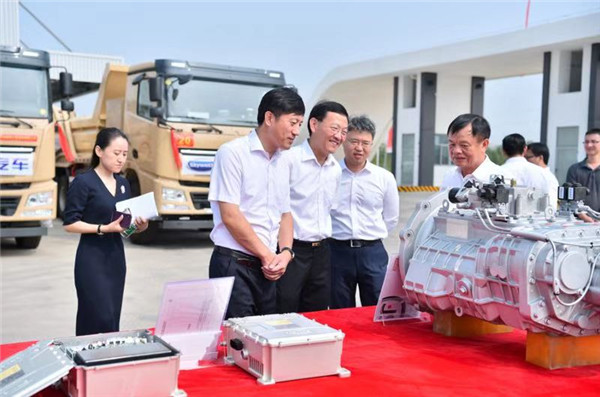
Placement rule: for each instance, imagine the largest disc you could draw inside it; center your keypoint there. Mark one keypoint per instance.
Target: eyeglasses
(529, 157)
(336, 129)
(591, 142)
(356, 142)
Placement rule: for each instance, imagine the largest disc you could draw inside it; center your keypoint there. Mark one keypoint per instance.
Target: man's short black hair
(593, 131)
(282, 100)
(479, 126)
(319, 111)
(513, 145)
(540, 149)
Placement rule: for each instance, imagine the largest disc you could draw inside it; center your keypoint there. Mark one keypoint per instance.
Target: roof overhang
(505, 55)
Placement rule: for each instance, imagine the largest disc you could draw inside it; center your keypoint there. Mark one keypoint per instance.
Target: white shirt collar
(368, 167)
(308, 154)
(481, 172)
(256, 144)
(516, 159)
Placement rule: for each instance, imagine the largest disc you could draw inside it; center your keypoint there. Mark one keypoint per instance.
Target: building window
(567, 142)
(442, 157)
(407, 165)
(410, 91)
(570, 71)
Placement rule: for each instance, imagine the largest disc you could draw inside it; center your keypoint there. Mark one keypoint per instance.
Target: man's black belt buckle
(312, 244)
(356, 243)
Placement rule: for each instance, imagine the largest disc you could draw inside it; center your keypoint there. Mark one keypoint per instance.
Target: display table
(401, 359)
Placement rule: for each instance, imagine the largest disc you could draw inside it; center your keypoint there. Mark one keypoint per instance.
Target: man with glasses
(587, 172)
(365, 211)
(314, 176)
(525, 173)
(538, 153)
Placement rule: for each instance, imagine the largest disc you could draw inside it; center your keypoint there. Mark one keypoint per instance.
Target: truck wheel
(61, 201)
(146, 237)
(28, 243)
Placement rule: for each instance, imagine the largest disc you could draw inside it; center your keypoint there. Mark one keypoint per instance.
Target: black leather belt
(355, 243)
(240, 257)
(308, 244)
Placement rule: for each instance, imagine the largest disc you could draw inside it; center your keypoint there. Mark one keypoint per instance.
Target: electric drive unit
(281, 347)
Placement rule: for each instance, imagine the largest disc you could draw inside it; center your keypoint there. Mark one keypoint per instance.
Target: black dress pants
(305, 285)
(252, 293)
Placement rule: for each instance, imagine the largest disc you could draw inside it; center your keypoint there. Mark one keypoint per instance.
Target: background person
(468, 139)
(525, 173)
(538, 153)
(314, 176)
(250, 199)
(100, 259)
(587, 171)
(365, 211)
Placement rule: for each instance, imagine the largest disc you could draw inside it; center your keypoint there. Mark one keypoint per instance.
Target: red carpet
(399, 359)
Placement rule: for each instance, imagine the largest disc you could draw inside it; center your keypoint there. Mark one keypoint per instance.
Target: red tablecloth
(402, 359)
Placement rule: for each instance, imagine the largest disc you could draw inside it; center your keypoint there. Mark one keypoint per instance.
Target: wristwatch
(289, 250)
(98, 232)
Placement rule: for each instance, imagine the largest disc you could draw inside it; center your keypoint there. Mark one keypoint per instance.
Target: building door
(407, 165)
(567, 141)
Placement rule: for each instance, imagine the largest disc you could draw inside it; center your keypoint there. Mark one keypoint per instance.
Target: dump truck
(176, 115)
(28, 191)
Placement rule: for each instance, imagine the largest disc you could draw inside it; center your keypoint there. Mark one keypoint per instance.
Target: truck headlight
(173, 195)
(37, 213)
(172, 207)
(38, 199)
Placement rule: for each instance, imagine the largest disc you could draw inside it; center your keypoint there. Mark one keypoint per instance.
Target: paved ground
(38, 294)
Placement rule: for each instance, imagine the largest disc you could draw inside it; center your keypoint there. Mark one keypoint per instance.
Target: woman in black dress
(100, 258)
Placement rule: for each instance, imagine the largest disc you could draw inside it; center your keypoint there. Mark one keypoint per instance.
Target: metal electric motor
(500, 253)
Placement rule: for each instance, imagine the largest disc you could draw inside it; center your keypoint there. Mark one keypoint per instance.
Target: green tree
(496, 155)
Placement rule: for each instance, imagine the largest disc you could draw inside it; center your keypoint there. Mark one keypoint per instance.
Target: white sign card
(191, 315)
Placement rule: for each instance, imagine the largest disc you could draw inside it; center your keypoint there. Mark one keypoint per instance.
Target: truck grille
(8, 205)
(14, 186)
(200, 200)
(194, 183)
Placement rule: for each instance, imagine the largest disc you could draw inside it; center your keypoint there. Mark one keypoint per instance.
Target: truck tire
(62, 180)
(146, 237)
(28, 243)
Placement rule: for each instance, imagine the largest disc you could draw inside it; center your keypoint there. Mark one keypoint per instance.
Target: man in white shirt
(525, 173)
(539, 154)
(365, 211)
(314, 176)
(249, 197)
(468, 139)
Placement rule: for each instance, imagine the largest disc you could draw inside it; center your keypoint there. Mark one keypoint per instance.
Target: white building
(420, 93)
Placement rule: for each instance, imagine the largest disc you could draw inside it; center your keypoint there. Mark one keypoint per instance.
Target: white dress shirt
(526, 173)
(486, 169)
(313, 188)
(552, 184)
(244, 175)
(367, 206)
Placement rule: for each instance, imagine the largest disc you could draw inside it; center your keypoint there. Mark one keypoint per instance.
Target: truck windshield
(23, 92)
(213, 102)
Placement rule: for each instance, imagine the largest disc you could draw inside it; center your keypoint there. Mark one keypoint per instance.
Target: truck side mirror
(66, 84)
(155, 86)
(156, 111)
(66, 105)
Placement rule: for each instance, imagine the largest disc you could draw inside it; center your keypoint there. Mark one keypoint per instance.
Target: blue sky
(305, 40)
